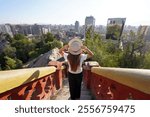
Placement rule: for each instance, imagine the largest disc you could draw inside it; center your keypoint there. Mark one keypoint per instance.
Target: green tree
(114, 30)
(10, 63)
(48, 37)
(48, 42)
(133, 54)
(23, 47)
(55, 44)
(9, 51)
(108, 54)
(104, 50)
(18, 64)
(146, 63)
(19, 37)
(2, 60)
(33, 54)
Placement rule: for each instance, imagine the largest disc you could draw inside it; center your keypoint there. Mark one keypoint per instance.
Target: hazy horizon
(66, 12)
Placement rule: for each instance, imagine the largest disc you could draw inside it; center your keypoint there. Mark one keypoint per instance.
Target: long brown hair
(74, 61)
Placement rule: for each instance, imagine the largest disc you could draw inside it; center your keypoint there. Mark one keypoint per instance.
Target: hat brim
(75, 40)
(75, 52)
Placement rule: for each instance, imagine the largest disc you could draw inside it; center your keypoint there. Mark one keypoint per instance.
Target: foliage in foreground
(108, 53)
(20, 49)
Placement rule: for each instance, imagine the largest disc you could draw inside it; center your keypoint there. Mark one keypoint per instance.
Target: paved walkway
(64, 94)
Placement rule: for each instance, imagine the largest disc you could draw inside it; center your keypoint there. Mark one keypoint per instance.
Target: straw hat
(75, 46)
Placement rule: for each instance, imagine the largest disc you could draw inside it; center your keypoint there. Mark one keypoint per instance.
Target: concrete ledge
(14, 78)
(135, 78)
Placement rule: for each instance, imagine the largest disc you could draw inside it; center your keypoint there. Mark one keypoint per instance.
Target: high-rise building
(90, 21)
(114, 28)
(6, 29)
(89, 25)
(77, 26)
(36, 29)
(144, 32)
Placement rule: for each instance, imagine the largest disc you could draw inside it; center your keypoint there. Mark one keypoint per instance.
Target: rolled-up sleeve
(84, 57)
(65, 56)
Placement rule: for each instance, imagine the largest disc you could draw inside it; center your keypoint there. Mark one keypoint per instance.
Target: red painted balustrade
(31, 84)
(87, 72)
(60, 74)
(117, 83)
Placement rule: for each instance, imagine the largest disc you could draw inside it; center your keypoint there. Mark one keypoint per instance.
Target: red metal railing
(104, 83)
(35, 87)
(117, 83)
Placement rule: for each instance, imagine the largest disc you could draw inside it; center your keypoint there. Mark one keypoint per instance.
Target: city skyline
(67, 12)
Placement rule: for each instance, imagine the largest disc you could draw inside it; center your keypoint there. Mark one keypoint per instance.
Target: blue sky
(68, 11)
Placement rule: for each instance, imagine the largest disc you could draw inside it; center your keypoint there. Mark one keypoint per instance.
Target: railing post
(58, 74)
(87, 74)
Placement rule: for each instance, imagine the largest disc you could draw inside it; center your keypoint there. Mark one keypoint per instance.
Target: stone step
(64, 94)
(85, 93)
(85, 97)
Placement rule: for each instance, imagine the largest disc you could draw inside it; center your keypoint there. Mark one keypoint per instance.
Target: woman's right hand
(66, 47)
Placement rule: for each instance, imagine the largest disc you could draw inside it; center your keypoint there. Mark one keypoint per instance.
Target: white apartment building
(89, 23)
(77, 26)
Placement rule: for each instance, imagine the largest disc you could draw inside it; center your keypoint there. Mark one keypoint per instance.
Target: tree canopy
(21, 49)
(108, 53)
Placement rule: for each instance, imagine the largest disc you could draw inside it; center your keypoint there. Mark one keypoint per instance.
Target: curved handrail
(14, 78)
(135, 78)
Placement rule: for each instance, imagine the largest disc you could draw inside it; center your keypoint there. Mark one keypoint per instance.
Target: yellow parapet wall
(14, 78)
(135, 78)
